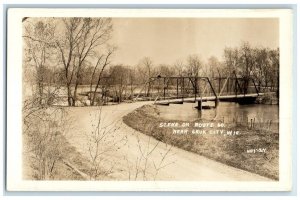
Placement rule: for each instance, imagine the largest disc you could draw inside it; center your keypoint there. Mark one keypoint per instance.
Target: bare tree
(246, 59)
(103, 61)
(165, 70)
(132, 82)
(40, 69)
(150, 159)
(275, 62)
(146, 70)
(194, 65)
(82, 38)
(215, 67)
(261, 65)
(179, 68)
(38, 59)
(44, 125)
(43, 141)
(103, 141)
(119, 75)
(231, 59)
(253, 62)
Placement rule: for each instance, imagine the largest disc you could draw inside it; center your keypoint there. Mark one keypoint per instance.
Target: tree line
(63, 55)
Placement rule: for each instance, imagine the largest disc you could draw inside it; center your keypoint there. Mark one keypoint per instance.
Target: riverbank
(251, 150)
(270, 98)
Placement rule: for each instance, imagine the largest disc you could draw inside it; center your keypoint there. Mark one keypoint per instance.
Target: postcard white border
(14, 103)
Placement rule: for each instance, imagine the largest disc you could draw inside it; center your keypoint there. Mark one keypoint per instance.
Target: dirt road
(139, 157)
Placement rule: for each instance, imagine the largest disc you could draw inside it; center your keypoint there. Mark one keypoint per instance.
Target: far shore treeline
(63, 55)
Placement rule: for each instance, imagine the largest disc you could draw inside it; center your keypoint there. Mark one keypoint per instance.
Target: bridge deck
(208, 98)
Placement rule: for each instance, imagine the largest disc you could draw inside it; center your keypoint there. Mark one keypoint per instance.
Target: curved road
(139, 157)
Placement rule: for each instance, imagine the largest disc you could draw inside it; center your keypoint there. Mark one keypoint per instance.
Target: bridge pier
(199, 105)
(216, 102)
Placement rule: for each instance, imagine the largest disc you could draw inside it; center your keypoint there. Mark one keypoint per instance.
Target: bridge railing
(181, 87)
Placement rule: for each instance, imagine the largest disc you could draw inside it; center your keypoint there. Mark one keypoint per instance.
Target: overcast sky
(168, 40)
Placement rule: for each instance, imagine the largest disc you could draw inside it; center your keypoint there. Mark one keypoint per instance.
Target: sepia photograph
(155, 98)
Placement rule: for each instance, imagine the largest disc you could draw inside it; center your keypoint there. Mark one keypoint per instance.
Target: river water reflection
(226, 111)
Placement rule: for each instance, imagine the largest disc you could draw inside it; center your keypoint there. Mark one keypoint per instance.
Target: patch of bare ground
(231, 150)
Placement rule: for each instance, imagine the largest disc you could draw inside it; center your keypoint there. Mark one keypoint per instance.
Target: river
(227, 112)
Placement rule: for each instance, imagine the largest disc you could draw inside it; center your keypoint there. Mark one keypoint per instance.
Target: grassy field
(234, 150)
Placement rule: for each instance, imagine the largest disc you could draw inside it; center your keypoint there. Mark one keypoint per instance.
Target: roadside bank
(251, 150)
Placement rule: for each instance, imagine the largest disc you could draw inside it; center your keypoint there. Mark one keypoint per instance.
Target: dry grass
(231, 150)
(61, 171)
